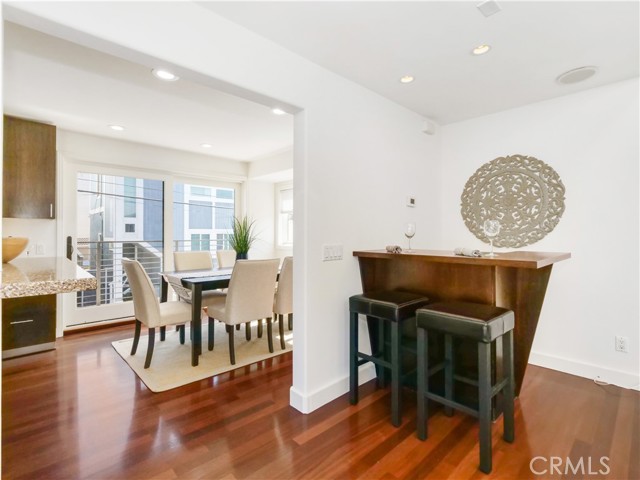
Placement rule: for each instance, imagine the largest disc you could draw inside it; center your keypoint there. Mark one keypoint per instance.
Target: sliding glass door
(110, 214)
(116, 217)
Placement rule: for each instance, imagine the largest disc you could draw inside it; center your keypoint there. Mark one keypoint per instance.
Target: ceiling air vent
(576, 75)
(488, 8)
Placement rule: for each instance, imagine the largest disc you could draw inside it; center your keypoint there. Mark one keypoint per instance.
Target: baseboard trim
(310, 402)
(75, 329)
(622, 379)
(18, 352)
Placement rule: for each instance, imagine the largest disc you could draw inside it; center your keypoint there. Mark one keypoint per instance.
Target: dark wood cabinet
(28, 324)
(29, 176)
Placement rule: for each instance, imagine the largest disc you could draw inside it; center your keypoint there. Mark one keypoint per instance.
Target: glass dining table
(189, 286)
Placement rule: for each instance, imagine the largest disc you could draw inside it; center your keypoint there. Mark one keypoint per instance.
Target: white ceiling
(371, 43)
(375, 43)
(83, 90)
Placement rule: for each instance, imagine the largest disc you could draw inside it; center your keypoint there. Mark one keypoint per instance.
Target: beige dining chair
(283, 300)
(226, 258)
(195, 260)
(198, 260)
(249, 297)
(148, 310)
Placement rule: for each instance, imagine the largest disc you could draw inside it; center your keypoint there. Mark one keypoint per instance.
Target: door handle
(70, 248)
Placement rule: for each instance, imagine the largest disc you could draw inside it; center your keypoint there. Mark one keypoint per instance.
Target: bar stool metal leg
(484, 410)
(448, 372)
(423, 383)
(353, 358)
(509, 389)
(396, 375)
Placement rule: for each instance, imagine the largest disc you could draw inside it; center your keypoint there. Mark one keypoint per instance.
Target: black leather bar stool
(484, 324)
(394, 307)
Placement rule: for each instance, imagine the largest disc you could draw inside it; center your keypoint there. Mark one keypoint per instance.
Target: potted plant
(242, 237)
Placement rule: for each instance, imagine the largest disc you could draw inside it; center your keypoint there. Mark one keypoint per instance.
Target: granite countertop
(26, 277)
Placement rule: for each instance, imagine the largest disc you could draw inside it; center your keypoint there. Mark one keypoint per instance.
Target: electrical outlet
(39, 249)
(622, 344)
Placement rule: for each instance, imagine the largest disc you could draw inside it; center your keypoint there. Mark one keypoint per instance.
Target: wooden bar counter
(514, 280)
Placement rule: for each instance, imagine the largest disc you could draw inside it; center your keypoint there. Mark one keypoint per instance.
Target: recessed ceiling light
(206, 145)
(278, 111)
(406, 79)
(164, 75)
(481, 49)
(117, 128)
(577, 75)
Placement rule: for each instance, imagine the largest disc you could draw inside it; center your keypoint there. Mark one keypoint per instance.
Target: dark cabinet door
(29, 177)
(28, 321)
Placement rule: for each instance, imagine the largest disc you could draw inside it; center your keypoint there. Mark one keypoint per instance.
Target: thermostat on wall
(411, 201)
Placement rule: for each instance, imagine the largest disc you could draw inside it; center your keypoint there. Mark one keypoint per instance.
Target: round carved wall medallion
(523, 193)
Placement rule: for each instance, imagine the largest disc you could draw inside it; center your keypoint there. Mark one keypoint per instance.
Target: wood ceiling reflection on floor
(80, 412)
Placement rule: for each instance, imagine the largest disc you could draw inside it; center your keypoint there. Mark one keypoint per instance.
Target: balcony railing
(103, 259)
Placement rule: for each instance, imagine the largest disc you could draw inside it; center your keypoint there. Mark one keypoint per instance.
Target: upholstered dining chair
(249, 297)
(226, 258)
(283, 299)
(148, 310)
(196, 260)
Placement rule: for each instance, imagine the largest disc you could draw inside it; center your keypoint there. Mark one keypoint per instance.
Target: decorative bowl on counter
(12, 247)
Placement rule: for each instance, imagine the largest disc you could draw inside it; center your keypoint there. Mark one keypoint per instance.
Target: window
(224, 215)
(285, 216)
(129, 197)
(222, 241)
(225, 193)
(117, 217)
(200, 242)
(202, 216)
(201, 191)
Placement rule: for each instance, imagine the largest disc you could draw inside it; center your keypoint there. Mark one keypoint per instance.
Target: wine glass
(491, 229)
(409, 232)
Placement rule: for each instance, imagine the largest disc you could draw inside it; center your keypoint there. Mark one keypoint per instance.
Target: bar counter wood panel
(514, 280)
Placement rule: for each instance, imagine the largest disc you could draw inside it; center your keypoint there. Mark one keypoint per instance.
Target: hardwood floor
(80, 412)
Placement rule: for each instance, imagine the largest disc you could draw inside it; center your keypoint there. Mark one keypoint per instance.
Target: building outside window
(117, 217)
(202, 217)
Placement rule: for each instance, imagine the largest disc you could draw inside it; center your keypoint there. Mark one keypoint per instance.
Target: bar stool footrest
(377, 359)
(451, 403)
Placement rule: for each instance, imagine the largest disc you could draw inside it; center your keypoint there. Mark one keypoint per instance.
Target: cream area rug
(171, 362)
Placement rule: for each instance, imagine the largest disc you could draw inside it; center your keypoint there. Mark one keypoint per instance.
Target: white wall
(591, 140)
(260, 209)
(38, 231)
(274, 168)
(356, 158)
(101, 150)
(118, 153)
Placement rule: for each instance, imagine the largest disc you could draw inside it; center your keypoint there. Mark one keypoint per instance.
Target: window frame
(282, 187)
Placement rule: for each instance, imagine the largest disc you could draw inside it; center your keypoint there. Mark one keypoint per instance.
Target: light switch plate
(411, 201)
(331, 252)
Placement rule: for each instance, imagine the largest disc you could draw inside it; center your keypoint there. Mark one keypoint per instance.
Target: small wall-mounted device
(331, 252)
(411, 201)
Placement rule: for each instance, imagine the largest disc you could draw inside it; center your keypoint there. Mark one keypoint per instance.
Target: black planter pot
(242, 256)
